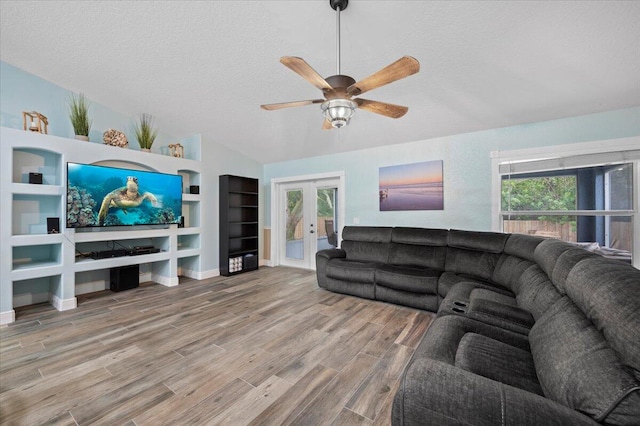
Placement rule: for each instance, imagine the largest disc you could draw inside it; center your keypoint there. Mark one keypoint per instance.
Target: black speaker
(181, 224)
(194, 189)
(35, 178)
(125, 278)
(53, 225)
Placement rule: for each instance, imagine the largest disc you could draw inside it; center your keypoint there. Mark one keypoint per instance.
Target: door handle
(312, 232)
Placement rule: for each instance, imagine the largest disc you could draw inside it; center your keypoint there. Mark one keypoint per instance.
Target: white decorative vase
(82, 138)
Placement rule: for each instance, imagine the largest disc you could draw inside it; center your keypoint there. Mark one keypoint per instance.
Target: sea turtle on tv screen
(126, 197)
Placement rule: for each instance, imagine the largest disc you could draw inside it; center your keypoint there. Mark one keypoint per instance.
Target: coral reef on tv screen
(111, 196)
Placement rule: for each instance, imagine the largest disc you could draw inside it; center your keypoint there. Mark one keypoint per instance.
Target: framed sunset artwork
(416, 186)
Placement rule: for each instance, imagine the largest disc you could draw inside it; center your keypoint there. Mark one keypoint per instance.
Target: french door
(308, 220)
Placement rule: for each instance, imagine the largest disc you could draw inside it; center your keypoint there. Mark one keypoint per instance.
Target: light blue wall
(22, 91)
(467, 167)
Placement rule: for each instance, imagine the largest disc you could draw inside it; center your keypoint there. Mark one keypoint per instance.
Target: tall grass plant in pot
(145, 133)
(79, 116)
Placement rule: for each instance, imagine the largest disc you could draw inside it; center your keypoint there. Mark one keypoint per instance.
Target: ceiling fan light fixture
(339, 111)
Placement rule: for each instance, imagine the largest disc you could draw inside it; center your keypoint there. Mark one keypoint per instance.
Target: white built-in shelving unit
(31, 259)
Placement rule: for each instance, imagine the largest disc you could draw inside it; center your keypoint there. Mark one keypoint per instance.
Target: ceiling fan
(339, 104)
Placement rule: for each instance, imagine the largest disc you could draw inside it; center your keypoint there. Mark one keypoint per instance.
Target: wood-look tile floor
(263, 348)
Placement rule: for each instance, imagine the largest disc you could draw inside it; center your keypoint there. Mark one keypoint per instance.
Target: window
(574, 195)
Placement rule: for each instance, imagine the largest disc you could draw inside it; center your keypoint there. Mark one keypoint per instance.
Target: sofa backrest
(418, 247)
(535, 292)
(557, 258)
(474, 253)
(586, 347)
(608, 293)
(366, 243)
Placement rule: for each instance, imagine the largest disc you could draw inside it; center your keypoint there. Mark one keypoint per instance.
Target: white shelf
(190, 198)
(115, 262)
(27, 254)
(193, 230)
(37, 189)
(188, 252)
(35, 240)
(35, 270)
(100, 234)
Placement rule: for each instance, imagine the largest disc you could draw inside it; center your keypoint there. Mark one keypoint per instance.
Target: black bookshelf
(238, 224)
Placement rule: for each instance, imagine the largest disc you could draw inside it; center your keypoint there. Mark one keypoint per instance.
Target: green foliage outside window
(544, 193)
(325, 203)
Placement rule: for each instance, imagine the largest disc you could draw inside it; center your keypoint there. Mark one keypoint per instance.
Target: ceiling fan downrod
(338, 6)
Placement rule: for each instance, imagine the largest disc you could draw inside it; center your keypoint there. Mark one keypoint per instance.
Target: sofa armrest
(330, 253)
(436, 393)
(322, 258)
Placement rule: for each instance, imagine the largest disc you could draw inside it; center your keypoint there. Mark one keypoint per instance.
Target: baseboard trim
(201, 275)
(165, 281)
(7, 317)
(63, 304)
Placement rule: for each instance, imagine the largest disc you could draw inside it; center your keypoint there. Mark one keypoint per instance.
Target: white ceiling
(206, 66)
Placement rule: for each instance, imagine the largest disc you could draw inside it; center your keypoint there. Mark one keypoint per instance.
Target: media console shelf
(37, 267)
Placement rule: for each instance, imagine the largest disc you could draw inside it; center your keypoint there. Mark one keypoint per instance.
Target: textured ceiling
(206, 66)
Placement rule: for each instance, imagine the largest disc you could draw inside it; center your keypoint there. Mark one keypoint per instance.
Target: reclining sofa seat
(529, 330)
(396, 265)
(579, 364)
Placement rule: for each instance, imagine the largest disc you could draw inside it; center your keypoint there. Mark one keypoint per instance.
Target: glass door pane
(294, 224)
(326, 218)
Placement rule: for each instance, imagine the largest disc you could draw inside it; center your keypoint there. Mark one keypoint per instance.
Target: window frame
(570, 153)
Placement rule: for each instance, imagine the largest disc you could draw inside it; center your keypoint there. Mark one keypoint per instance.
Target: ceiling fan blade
(271, 107)
(326, 125)
(403, 67)
(382, 108)
(300, 67)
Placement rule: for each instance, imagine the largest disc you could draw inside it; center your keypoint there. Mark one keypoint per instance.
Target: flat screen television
(99, 196)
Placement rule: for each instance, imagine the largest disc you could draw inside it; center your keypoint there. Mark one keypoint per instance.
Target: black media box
(194, 189)
(125, 278)
(35, 178)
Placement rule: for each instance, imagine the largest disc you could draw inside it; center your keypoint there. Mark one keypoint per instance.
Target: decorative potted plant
(79, 116)
(145, 133)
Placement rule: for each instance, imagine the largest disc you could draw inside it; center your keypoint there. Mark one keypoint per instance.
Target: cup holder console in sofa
(529, 331)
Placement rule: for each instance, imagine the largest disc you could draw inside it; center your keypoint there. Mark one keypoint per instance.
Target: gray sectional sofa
(529, 331)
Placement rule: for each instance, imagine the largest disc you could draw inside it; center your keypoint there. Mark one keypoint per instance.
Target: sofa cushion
(565, 264)
(420, 236)
(443, 337)
(548, 252)
(486, 294)
(416, 255)
(448, 280)
(508, 269)
(364, 290)
(509, 317)
(608, 293)
(366, 243)
(349, 270)
(416, 280)
(426, 301)
(371, 234)
(489, 242)
(577, 367)
(497, 361)
(471, 262)
(523, 246)
(535, 292)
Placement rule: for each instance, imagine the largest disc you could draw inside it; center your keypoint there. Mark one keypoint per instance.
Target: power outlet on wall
(356, 221)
